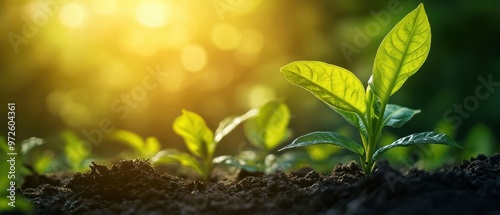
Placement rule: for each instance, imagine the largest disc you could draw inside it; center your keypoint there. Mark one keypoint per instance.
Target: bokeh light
(72, 15)
(71, 64)
(194, 58)
(152, 14)
(104, 7)
(225, 36)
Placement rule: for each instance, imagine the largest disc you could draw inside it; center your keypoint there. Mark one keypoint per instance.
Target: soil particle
(135, 187)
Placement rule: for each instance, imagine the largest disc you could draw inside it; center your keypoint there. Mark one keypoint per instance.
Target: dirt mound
(134, 187)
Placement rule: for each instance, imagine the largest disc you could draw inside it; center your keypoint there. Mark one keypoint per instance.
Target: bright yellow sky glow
(72, 15)
(152, 14)
(251, 43)
(139, 42)
(104, 7)
(259, 94)
(225, 36)
(194, 58)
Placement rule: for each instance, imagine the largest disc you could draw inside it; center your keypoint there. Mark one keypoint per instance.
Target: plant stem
(207, 167)
(367, 140)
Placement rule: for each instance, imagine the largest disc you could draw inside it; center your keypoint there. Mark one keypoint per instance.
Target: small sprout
(41, 162)
(400, 55)
(200, 140)
(141, 148)
(265, 131)
(77, 152)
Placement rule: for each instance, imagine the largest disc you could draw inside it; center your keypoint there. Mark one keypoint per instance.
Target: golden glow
(216, 106)
(252, 42)
(104, 7)
(103, 46)
(194, 58)
(245, 7)
(140, 43)
(259, 94)
(55, 100)
(176, 37)
(72, 15)
(225, 36)
(117, 75)
(152, 14)
(75, 115)
(217, 78)
(175, 79)
(70, 106)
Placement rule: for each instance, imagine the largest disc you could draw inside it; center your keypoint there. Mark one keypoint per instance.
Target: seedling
(400, 55)
(200, 140)
(77, 152)
(141, 148)
(39, 163)
(265, 132)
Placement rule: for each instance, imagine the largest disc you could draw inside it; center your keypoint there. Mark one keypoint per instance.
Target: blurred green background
(93, 66)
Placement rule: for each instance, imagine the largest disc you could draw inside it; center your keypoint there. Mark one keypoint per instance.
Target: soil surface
(134, 187)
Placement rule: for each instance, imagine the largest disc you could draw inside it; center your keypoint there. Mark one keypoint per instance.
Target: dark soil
(134, 187)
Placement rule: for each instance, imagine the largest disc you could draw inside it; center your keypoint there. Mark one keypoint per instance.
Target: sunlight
(104, 7)
(152, 14)
(225, 36)
(259, 94)
(72, 15)
(194, 58)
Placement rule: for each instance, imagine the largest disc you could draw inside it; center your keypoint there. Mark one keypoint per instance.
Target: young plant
(77, 152)
(141, 148)
(400, 55)
(200, 140)
(36, 163)
(265, 131)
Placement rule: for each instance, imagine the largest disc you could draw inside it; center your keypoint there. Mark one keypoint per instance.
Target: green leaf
(269, 128)
(30, 143)
(76, 150)
(334, 85)
(352, 119)
(429, 137)
(396, 116)
(401, 53)
(479, 140)
(43, 161)
(196, 134)
(151, 147)
(170, 156)
(3, 144)
(235, 162)
(326, 137)
(230, 123)
(131, 139)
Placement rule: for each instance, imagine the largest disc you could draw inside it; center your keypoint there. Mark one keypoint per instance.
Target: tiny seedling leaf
(396, 116)
(269, 127)
(401, 53)
(334, 85)
(196, 134)
(130, 138)
(170, 156)
(429, 137)
(326, 137)
(151, 147)
(30, 143)
(76, 149)
(230, 123)
(235, 162)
